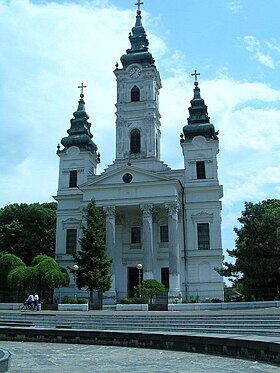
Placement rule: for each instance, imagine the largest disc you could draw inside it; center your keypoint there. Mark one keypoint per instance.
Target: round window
(127, 178)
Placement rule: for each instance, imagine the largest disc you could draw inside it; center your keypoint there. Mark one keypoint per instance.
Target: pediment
(125, 175)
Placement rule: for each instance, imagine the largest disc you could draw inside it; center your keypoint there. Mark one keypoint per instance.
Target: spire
(138, 53)
(198, 121)
(79, 133)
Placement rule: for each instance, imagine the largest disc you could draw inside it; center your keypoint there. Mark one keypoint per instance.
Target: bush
(216, 300)
(193, 299)
(69, 300)
(135, 300)
(149, 288)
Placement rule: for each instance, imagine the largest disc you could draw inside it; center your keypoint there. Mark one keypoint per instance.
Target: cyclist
(30, 301)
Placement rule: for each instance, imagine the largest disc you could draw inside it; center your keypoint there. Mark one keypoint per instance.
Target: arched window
(135, 143)
(135, 94)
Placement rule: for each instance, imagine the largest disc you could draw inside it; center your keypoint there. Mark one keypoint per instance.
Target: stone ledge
(221, 306)
(253, 347)
(73, 307)
(13, 306)
(132, 307)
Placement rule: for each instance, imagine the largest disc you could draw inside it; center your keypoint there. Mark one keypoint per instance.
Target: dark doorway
(165, 277)
(133, 280)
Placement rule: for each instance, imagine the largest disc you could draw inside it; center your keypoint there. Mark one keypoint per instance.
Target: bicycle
(26, 306)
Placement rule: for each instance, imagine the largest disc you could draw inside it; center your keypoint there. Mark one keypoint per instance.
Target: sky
(49, 47)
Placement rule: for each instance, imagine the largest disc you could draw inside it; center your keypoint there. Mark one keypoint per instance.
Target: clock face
(134, 72)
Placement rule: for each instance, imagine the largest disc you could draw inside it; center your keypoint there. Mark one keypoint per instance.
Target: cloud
(254, 46)
(273, 45)
(65, 44)
(48, 49)
(234, 6)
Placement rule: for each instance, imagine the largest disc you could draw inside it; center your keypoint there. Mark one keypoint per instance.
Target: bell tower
(200, 143)
(137, 116)
(79, 157)
(202, 199)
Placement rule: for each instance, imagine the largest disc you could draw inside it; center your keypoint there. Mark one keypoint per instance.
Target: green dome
(138, 53)
(198, 121)
(79, 132)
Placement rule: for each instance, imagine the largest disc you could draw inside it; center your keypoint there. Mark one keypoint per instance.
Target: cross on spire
(82, 86)
(195, 74)
(139, 3)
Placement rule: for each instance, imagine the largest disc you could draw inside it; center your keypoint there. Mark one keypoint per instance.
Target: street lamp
(75, 267)
(139, 267)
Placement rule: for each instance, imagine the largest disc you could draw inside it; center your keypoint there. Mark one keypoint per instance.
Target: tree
(44, 274)
(8, 262)
(28, 230)
(48, 273)
(257, 251)
(94, 265)
(23, 279)
(149, 288)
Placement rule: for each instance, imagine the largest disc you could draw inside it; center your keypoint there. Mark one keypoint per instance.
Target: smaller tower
(199, 142)
(202, 201)
(79, 157)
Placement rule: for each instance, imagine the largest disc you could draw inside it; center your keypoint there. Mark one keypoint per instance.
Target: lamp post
(75, 267)
(139, 267)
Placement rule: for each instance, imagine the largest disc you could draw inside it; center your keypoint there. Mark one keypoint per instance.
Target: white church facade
(167, 220)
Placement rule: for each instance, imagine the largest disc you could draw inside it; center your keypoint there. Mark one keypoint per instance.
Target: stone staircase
(257, 324)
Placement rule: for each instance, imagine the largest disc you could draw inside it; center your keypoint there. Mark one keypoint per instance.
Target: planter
(73, 307)
(4, 360)
(132, 307)
(221, 306)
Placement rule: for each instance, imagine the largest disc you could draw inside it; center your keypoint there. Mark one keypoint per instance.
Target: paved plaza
(30, 357)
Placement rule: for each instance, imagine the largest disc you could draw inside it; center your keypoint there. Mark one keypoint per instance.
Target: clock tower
(138, 119)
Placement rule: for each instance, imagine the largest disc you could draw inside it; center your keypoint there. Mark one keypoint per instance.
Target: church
(161, 223)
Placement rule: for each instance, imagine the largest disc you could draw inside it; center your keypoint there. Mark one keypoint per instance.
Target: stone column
(148, 250)
(110, 212)
(174, 253)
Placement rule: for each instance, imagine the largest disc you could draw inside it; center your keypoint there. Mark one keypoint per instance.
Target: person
(36, 301)
(30, 300)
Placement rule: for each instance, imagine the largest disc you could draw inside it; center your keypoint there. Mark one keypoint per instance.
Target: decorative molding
(147, 210)
(71, 222)
(202, 216)
(67, 170)
(200, 160)
(110, 212)
(173, 208)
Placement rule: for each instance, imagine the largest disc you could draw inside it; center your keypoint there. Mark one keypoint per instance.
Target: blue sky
(49, 47)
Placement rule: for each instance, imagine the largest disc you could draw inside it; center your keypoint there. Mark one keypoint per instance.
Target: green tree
(8, 262)
(23, 279)
(94, 265)
(149, 288)
(44, 274)
(28, 230)
(257, 251)
(48, 273)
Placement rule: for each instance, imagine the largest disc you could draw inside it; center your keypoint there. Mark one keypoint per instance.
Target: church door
(165, 277)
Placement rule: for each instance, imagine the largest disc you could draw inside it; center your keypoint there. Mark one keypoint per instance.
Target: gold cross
(139, 4)
(82, 86)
